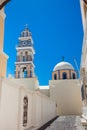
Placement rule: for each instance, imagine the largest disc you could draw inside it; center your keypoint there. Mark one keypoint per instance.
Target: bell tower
(25, 56)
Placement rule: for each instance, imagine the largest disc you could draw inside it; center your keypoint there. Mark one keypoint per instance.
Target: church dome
(63, 66)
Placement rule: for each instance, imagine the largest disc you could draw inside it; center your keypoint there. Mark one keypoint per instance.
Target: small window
(26, 56)
(64, 75)
(25, 34)
(55, 77)
(22, 35)
(73, 76)
(30, 58)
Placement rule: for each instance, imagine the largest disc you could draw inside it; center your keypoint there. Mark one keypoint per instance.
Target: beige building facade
(3, 56)
(83, 66)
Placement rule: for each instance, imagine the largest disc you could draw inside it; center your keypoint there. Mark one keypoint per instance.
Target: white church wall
(37, 113)
(67, 94)
(49, 110)
(40, 108)
(45, 108)
(29, 83)
(44, 90)
(9, 106)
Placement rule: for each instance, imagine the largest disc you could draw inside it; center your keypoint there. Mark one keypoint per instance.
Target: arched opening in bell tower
(26, 56)
(24, 72)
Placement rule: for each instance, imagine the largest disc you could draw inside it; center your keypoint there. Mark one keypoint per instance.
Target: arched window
(24, 72)
(64, 75)
(22, 34)
(26, 56)
(29, 42)
(55, 77)
(26, 34)
(73, 76)
(25, 111)
(21, 56)
(29, 58)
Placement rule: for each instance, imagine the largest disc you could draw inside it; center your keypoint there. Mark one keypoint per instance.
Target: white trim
(25, 62)
(25, 38)
(26, 48)
(2, 14)
(2, 53)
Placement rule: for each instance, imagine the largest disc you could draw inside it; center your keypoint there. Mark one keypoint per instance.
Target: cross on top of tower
(26, 27)
(26, 32)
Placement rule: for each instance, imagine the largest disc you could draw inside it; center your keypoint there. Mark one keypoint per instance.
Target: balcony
(24, 59)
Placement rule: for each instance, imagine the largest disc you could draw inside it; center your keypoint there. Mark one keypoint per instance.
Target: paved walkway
(66, 123)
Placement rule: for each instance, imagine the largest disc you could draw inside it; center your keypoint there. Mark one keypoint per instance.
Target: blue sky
(56, 28)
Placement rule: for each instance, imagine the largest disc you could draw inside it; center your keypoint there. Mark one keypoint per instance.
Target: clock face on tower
(25, 43)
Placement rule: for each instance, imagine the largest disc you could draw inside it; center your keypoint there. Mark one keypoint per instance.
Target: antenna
(76, 66)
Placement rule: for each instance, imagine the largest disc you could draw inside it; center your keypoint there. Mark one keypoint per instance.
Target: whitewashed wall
(67, 94)
(45, 109)
(9, 106)
(40, 108)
